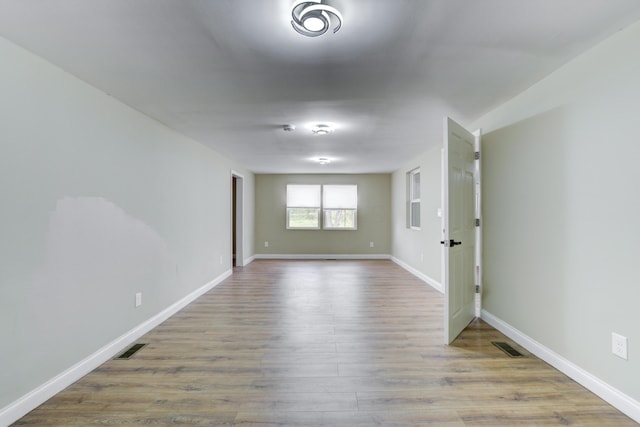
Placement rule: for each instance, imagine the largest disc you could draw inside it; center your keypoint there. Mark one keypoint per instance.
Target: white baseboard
(249, 260)
(420, 275)
(322, 256)
(613, 396)
(16, 410)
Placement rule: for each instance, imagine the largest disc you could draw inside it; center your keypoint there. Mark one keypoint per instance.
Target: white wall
(98, 202)
(419, 250)
(562, 211)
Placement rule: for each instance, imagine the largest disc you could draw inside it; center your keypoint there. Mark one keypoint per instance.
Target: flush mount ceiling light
(321, 129)
(312, 18)
(324, 160)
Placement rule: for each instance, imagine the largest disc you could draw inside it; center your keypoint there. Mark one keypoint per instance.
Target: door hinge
(477, 222)
(477, 289)
(476, 155)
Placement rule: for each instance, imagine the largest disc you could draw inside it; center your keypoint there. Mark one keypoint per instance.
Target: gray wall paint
(98, 203)
(562, 210)
(373, 217)
(420, 249)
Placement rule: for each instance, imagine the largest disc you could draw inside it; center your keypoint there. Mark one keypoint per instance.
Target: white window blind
(303, 196)
(340, 197)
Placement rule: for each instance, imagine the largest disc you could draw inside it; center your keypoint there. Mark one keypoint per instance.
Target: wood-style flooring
(311, 343)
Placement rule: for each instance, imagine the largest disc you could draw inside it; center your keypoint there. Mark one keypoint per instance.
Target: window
(339, 207)
(338, 203)
(303, 206)
(414, 199)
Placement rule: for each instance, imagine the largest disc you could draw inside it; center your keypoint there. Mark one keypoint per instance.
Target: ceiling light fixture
(324, 160)
(321, 129)
(312, 18)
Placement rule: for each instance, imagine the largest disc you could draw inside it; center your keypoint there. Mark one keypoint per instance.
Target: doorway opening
(237, 209)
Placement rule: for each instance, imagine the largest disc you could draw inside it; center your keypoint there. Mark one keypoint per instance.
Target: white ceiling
(231, 73)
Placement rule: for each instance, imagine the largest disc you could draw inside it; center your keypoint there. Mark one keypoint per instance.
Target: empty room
(319, 212)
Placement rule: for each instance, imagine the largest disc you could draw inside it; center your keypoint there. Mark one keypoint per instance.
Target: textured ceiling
(231, 73)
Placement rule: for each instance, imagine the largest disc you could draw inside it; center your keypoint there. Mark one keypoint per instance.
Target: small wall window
(340, 207)
(413, 202)
(303, 207)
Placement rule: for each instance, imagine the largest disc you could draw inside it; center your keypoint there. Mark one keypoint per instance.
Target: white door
(458, 228)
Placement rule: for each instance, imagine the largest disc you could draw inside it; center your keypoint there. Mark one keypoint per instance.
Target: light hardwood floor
(345, 343)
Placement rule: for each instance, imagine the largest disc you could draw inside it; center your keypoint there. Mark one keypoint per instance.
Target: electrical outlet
(138, 299)
(619, 345)
(422, 257)
(371, 244)
(266, 244)
(221, 259)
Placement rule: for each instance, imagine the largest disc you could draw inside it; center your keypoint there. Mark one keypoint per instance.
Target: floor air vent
(511, 352)
(128, 354)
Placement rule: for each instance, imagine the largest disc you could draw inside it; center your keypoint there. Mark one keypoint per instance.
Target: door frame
(238, 214)
(478, 208)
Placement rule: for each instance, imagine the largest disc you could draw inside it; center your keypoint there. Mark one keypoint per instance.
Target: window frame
(326, 210)
(321, 210)
(412, 200)
(289, 208)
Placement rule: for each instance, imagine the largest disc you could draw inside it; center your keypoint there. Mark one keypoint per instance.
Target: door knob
(451, 243)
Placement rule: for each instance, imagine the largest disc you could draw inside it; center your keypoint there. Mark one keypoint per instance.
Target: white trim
(249, 260)
(411, 200)
(239, 218)
(420, 275)
(613, 396)
(238, 174)
(478, 211)
(16, 410)
(322, 256)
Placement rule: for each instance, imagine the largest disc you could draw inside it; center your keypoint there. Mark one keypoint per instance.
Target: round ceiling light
(314, 24)
(324, 160)
(312, 18)
(321, 129)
